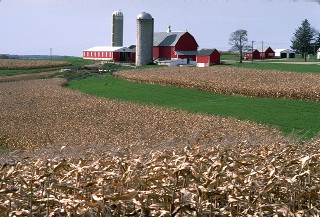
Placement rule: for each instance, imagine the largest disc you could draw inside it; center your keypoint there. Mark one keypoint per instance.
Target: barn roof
(250, 51)
(166, 38)
(264, 49)
(184, 52)
(205, 52)
(283, 51)
(318, 50)
(110, 49)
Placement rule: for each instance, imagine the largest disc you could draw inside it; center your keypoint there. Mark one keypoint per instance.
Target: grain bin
(117, 29)
(144, 49)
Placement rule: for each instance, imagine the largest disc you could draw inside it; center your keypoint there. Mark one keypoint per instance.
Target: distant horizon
(32, 27)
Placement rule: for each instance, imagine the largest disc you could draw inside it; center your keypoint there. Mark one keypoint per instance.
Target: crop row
(30, 64)
(69, 154)
(230, 80)
(38, 113)
(242, 180)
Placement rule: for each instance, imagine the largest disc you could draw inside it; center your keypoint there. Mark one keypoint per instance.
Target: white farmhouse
(318, 54)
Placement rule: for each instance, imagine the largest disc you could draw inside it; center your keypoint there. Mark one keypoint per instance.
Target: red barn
(116, 54)
(207, 57)
(266, 53)
(174, 45)
(255, 54)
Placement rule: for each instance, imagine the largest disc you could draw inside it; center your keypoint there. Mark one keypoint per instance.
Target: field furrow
(30, 64)
(70, 154)
(41, 113)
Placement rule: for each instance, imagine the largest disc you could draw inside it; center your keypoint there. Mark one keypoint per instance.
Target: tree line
(305, 40)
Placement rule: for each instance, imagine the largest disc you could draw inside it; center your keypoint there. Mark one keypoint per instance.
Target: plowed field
(69, 154)
(238, 81)
(40, 113)
(30, 64)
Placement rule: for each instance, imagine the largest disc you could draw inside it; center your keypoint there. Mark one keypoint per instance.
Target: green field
(299, 117)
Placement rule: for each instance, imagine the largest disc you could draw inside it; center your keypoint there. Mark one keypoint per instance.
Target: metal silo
(144, 49)
(117, 29)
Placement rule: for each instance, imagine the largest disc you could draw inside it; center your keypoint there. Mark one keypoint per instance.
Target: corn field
(65, 153)
(30, 64)
(241, 180)
(40, 113)
(230, 80)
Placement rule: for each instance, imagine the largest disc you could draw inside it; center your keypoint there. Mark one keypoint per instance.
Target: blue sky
(70, 26)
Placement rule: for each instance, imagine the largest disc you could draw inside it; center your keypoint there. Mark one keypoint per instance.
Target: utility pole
(252, 52)
(314, 52)
(51, 53)
(263, 51)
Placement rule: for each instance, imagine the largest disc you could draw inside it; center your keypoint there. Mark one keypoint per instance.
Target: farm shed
(318, 54)
(255, 54)
(207, 57)
(174, 45)
(116, 54)
(266, 53)
(284, 53)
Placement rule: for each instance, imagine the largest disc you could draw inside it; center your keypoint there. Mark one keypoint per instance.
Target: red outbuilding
(255, 54)
(116, 54)
(174, 45)
(266, 53)
(207, 57)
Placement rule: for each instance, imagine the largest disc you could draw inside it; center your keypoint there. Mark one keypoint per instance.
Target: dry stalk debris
(242, 180)
(30, 64)
(69, 154)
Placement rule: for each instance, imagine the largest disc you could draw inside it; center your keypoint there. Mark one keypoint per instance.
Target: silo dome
(117, 14)
(144, 16)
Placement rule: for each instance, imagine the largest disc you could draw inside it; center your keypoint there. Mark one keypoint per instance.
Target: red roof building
(252, 55)
(207, 57)
(174, 45)
(116, 54)
(267, 53)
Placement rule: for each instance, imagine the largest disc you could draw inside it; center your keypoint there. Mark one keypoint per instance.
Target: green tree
(303, 38)
(317, 42)
(238, 41)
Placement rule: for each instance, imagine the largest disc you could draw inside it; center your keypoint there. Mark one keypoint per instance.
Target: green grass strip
(290, 116)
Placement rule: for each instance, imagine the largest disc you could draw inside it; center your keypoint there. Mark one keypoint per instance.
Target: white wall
(176, 62)
(201, 64)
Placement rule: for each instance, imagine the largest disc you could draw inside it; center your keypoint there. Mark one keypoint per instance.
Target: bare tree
(238, 40)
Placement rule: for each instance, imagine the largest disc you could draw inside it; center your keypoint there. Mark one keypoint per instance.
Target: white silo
(117, 29)
(144, 49)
